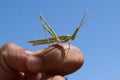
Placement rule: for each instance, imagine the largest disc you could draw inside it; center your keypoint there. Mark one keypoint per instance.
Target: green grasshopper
(55, 38)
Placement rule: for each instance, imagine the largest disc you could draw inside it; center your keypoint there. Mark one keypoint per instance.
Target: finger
(56, 59)
(43, 76)
(51, 77)
(57, 77)
(13, 59)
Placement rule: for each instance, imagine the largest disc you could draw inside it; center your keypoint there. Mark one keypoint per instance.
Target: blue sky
(98, 39)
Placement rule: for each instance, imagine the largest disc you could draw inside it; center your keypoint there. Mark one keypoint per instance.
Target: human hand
(17, 63)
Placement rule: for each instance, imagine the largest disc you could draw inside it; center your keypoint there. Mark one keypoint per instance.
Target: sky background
(98, 39)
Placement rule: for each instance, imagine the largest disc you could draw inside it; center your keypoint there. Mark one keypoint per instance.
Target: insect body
(55, 38)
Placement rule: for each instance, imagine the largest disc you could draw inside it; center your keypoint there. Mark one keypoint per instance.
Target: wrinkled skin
(13, 60)
(17, 63)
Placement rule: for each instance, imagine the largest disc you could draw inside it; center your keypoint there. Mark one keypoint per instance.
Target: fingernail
(28, 52)
(34, 64)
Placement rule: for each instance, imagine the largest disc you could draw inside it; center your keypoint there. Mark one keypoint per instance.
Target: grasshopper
(55, 38)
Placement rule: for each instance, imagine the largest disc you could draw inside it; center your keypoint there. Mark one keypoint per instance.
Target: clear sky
(98, 39)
